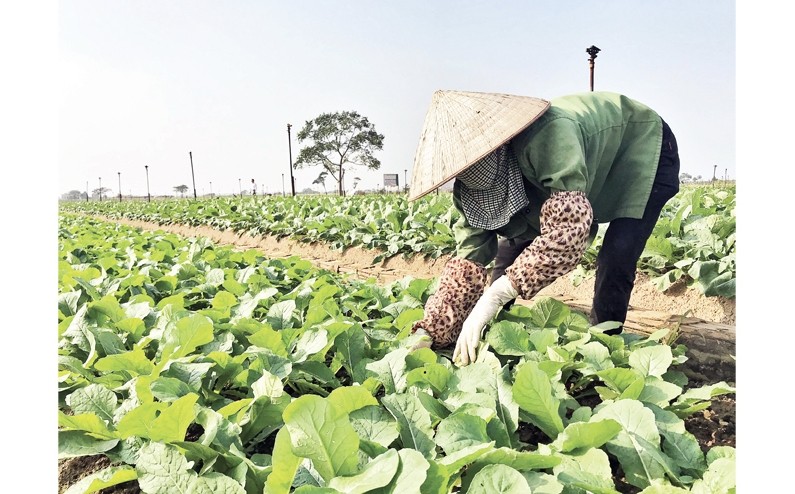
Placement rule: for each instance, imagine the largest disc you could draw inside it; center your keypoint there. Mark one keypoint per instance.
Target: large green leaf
(321, 431)
(414, 423)
(532, 390)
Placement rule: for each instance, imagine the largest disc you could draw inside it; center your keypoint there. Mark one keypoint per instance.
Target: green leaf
(79, 443)
(320, 431)
(459, 431)
(509, 338)
(520, 460)
(637, 446)
(587, 434)
(548, 313)
(414, 423)
(651, 360)
(374, 424)
(170, 425)
(350, 398)
(285, 464)
(162, 469)
(107, 477)
(532, 390)
(435, 375)
(350, 347)
(87, 422)
(410, 475)
(309, 343)
(280, 315)
(493, 479)
(169, 388)
(720, 477)
(589, 470)
(94, 398)
(377, 473)
(216, 483)
(134, 361)
(223, 300)
(391, 370)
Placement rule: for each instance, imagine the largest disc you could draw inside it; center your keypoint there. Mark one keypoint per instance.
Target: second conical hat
(461, 127)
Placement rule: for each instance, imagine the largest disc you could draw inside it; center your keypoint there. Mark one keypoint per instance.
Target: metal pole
(211, 188)
(190, 153)
(290, 149)
(119, 186)
(148, 196)
(592, 51)
(283, 194)
(100, 189)
(405, 180)
(240, 186)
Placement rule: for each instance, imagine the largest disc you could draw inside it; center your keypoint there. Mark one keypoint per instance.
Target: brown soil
(714, 426)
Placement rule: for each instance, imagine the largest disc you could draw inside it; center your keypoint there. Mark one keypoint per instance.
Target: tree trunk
(342, 192)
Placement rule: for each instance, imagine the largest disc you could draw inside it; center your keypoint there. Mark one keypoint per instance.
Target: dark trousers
(623, 243)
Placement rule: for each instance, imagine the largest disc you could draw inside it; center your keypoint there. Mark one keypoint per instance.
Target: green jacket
(604, 144)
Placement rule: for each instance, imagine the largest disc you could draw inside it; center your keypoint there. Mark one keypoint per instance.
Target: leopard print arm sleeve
(566, 219)
(460, 286)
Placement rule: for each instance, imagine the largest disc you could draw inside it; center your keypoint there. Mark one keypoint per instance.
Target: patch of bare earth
(710, 319)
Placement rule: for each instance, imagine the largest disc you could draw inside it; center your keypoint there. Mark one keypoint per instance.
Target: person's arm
(461, 283)
(566, 219)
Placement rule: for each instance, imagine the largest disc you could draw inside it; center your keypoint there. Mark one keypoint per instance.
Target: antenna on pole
(592, 51)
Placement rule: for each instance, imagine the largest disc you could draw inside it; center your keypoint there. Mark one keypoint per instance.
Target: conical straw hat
(462, 127)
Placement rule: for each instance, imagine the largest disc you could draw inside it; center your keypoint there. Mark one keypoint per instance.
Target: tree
(688, 178)
(100, 192)
(339, 139)
(321, 179)
(73, 195)
(181, 189)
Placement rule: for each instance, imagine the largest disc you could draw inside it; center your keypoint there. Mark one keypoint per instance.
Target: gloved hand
(498, 294)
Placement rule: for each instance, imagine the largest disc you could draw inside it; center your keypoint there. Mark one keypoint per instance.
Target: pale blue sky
(144, 83)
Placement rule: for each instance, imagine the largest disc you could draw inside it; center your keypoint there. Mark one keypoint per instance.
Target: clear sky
(145, 83)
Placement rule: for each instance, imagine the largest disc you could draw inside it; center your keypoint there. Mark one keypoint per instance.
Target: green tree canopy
(339, 139)
(181, 189)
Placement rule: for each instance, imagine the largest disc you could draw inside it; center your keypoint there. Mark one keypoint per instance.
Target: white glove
(498, 294)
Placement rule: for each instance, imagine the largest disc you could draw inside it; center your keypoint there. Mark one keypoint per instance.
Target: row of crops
(694, 241)
(198, 368)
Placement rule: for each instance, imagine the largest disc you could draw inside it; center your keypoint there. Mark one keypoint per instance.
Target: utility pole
(86, 190)
(148, 196)
(240, 187)
(405, 180)
(190, 153)
(119, 186)
(211, 188)
(100, 189)
(592, 51)
(283, 194)
(290, 149)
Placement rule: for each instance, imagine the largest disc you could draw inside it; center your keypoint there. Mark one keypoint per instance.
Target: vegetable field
(693, 242)
(187, 366)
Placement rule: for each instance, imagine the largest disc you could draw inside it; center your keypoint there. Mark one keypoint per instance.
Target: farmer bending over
(533, 179)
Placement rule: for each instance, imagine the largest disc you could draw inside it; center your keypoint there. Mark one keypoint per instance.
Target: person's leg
(625, 239)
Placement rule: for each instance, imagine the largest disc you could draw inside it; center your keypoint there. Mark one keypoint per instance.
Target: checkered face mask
(492, 189)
